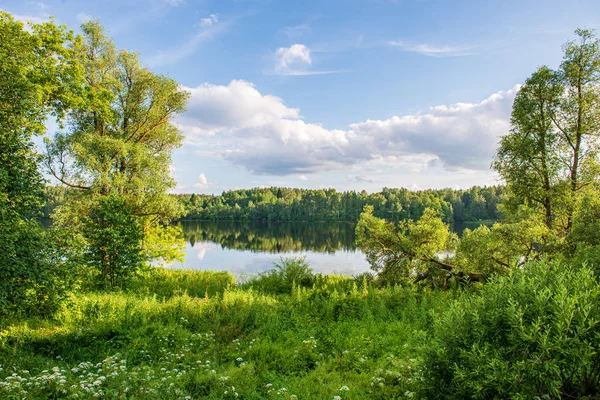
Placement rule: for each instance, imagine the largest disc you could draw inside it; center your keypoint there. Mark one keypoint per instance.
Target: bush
(534, 332)
(34, 278)
(288, 272)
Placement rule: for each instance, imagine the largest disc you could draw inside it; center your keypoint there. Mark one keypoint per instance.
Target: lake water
(247, 248)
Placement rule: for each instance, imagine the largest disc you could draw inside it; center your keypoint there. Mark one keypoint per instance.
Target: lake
(247, 248)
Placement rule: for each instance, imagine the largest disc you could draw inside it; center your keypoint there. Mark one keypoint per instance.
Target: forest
(289, 204)
(90, 309)
(293, 204)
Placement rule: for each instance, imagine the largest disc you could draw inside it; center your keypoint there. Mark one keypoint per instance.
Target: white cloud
(176, 3)
(202, 182)
(296, 60)
(210, 20)
(302, 177)
(215, 108)
(83, 17)
(260, 133)
(433, 50)
(295, 55)
(293, 32)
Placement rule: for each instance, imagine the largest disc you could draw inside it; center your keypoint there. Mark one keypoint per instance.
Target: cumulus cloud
(302, 177)
(202, 182)
(262, 134)
(293, 56)
(433, 50)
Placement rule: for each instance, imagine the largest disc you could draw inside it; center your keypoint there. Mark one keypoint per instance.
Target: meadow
(192, 334)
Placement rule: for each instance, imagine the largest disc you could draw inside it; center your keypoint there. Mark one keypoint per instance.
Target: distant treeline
(287, 204)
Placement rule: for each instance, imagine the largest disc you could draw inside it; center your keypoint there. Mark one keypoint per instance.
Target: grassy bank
(183, 334)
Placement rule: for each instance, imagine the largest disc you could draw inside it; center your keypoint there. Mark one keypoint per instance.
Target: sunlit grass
(185, 334)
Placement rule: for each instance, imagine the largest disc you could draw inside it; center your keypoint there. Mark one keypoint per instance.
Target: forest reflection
(273, 237)
(280, 237)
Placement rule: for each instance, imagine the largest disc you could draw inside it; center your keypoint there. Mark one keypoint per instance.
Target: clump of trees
(115, 155)
(37, 79)
(549, 161)
(113, 150)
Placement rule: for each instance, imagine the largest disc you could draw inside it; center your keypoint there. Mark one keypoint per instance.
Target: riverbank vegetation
(180, 334)
(507, 311)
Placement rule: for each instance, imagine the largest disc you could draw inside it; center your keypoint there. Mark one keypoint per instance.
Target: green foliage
(290, 204)
(529, 157)
(404, 251)
(288, 273)
(501, 247)
(163, 244)
(534, 332)
(585, 235)
(34, 279)
(166, 283)
(550, 156)
(37, 77)
(119, 141)
(318, 343)
(113, 241)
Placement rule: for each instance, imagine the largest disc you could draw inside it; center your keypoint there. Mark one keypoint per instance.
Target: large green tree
(529, 157)
(550, 157)
(39, 75)
(119, 142)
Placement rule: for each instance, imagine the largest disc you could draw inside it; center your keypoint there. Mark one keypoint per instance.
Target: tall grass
(183, 334)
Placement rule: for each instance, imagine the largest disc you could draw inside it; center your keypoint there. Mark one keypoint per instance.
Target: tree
(120, 141)
(529, 157)
(38, 76)
(551, 154)
(409, 251)
(500, 248)
(578, 120)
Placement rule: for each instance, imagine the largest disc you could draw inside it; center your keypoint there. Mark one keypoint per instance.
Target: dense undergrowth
(184, 334)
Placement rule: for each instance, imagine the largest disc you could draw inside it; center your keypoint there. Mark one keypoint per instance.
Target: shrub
(534, 332)
(288, 272)
(34, 279)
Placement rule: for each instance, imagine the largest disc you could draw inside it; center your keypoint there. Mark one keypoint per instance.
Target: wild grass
(184, 334)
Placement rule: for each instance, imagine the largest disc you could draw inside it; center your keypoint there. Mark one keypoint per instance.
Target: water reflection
(246, 248)
(252, 247)
(273, 237)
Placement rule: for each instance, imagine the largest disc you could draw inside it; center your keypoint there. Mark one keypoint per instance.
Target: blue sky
(355, 94)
